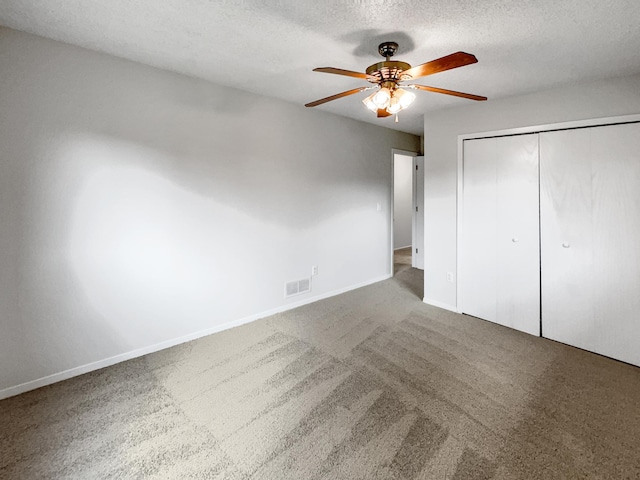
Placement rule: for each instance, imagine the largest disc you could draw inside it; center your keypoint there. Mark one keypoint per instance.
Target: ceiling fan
(391, 95)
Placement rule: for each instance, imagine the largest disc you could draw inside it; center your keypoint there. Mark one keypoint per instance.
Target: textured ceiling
(270, 48)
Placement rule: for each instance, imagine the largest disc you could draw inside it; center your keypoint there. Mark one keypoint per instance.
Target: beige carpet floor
(371, 384)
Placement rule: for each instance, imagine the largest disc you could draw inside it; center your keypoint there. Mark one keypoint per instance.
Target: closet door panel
(566, 236)
(500, 232)
(616, 240)
(590, 213)
(478, 246)
(518, 236)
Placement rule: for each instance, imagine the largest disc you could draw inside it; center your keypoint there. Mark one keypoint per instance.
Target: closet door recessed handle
(565, 245)
(515, 239)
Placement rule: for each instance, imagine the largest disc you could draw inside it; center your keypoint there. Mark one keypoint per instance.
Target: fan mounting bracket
(388, 49)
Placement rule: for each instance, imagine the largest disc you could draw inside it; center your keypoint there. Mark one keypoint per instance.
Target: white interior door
(590, 230)
(417, 255)
(500, 245)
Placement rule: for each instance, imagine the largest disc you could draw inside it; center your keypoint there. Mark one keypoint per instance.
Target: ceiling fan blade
(455, 60)
(382, 112)
(348, 73)
(450, 92)
(336, 96)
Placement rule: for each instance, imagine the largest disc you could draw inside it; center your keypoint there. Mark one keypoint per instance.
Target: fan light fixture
(394, 106)
(369, 103)
(390, 100)
(382, 97)
(404, 98)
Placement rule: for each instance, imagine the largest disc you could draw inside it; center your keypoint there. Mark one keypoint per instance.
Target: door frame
(415, 214)
(591, 122)
(407, 153)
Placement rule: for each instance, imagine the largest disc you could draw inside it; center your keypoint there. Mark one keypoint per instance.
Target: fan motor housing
(389, 70)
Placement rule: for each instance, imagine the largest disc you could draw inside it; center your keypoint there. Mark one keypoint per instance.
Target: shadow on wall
(144, 247)
(271, 164)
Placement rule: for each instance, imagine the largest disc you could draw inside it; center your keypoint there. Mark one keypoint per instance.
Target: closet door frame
(594, 122)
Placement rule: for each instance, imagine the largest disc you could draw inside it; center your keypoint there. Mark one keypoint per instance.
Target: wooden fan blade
(335, 97)
(382, 112)
(455, 60)
(348, 73)
(451, 92)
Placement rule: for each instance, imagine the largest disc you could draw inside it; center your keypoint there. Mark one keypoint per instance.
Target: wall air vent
(297, 287)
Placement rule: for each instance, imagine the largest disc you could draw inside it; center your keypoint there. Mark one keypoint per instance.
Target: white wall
(140, 207)
(612, 97)
(402, 200)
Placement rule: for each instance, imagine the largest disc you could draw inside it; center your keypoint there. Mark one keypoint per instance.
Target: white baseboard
(107, 362)
(402, 248)
(444, 306)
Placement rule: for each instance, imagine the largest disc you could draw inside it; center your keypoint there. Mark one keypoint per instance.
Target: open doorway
(407, 212)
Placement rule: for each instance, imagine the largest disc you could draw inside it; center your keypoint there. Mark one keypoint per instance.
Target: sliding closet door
(590, 230)
(500, 262)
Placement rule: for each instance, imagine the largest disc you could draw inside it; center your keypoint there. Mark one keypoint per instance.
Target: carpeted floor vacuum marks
(372, 384)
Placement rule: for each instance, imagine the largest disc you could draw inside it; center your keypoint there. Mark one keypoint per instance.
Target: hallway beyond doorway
(401, 260)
